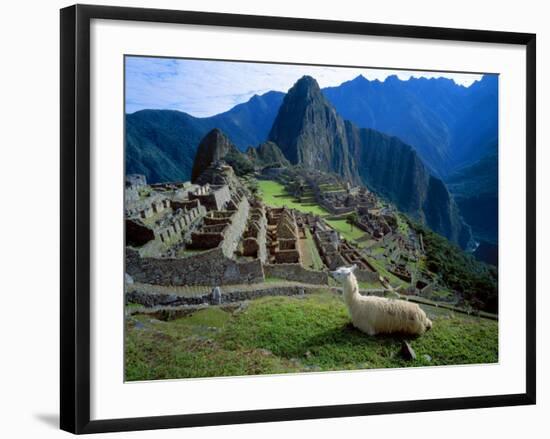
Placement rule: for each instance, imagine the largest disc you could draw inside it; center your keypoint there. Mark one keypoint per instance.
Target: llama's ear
(353, 267)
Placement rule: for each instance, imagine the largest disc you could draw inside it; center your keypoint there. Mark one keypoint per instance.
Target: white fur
(378, 315)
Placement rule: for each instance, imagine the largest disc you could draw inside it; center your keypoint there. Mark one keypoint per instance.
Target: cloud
(204, 88)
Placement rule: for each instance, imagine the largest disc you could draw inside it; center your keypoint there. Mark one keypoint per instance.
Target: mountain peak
(359, 78)
(215, 133)
(308, 130)
(487, 82)
(305, 86)
(307, 80)
(392, 79)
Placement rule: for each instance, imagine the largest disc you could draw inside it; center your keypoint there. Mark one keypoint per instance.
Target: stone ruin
(211, 197)
(254, 238)
(352, 199)
(376, 224)
(156, 217)
(132, 186)
(401, 271)
(224, 222)
(216, 234)
(332, 193)
(189, 234)
(336, 251)
(282, 236)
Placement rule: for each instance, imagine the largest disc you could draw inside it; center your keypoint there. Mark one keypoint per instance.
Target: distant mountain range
(450, 128)
(449, 125)
(161, 144)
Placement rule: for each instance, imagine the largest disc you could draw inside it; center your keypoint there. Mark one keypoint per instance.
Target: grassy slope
(290, 334)
(312, 253)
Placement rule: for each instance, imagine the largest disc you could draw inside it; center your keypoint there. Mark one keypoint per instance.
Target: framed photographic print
(268, 218)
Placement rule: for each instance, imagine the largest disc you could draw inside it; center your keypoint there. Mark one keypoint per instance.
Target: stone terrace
(223, 227)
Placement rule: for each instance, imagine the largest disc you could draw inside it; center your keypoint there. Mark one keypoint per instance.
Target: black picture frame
(75, 217)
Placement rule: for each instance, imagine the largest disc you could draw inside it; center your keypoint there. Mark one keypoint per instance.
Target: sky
(205, 88)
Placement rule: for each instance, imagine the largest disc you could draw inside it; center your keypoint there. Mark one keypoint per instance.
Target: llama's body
(378, 315)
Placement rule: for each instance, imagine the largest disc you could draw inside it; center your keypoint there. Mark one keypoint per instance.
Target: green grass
(131, 306)
(377, 250)
(274, 194)
(350, 231)
(289, 334)
(313, 256)
(402, 225)
(370, 285)
(184, 252)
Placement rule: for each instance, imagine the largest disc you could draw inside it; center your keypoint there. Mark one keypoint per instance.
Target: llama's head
(343, 273)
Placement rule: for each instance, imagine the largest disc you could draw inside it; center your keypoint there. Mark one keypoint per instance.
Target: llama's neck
(351, 289)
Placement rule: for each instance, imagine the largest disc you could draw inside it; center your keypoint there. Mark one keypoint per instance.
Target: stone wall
(216, 198)
(147, 207)
(137, 234)
(335, 210)
(204, 240)
(151, 300)
(287, 257)
(255, 235)
(210, 267)
(136, 180)
(185, 204)
(262, 238)
(223, 229)
(131, 194)
(232, 234)
(297, 273)
(366, 275)
(173, 227)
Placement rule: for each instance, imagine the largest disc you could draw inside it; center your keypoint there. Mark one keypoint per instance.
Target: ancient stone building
(283, 236)
(223, 228)
(255, 236)
(135, 180)
(336, 252)
(167, 228)
(211, 197)
(374, 223)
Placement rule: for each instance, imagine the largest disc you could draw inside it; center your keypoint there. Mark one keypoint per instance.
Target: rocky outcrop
(267, 154)
(219, 173)
(212, 148)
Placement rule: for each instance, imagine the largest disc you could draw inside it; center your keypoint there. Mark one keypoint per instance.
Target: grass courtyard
(292, 334)
(349, 231)
(274, 194)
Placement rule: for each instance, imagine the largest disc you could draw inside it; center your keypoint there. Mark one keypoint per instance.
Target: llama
(377, 315)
